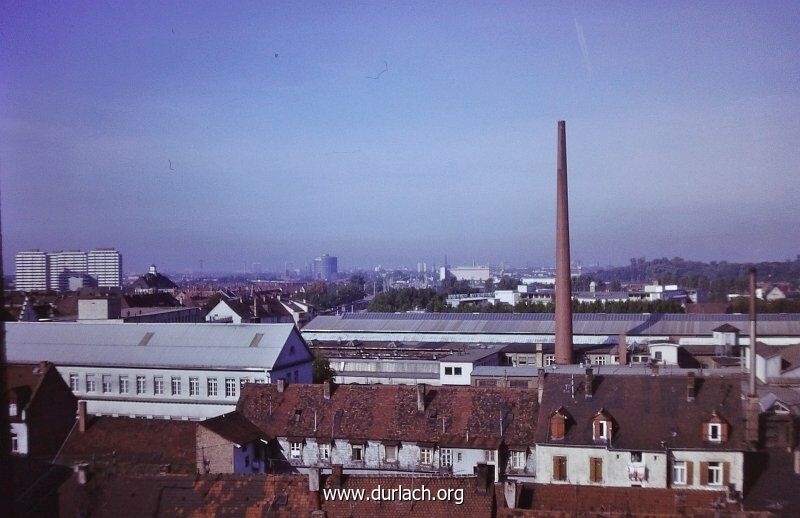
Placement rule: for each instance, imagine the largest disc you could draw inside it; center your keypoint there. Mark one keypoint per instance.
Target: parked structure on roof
(190, 371)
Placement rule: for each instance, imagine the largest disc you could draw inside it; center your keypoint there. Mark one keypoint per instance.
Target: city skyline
(397, 135)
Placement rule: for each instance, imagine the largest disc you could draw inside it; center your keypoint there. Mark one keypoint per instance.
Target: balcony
(637, 472)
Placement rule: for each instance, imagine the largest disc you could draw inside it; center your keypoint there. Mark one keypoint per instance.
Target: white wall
(734, 458)
(223, 312)
(21, 431)
(669, 353)
(455, 379)
(616, 464)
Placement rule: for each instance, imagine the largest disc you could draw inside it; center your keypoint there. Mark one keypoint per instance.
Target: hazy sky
(391, 132)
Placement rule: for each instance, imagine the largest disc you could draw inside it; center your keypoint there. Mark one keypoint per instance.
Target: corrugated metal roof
(216, 346)
(691, 324)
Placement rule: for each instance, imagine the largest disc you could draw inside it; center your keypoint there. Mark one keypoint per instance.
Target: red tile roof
(571, 500)
(459, 415)
(474, 502)
(234, 427)
(133, 445)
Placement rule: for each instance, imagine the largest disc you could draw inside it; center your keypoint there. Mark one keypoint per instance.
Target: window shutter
(704, 473)
(556, 468)
(557, 426)
(724, 427)
(689, 473)
(705, 431)
(596, 429)
(726, 473)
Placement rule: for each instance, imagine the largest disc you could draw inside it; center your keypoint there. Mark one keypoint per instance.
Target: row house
(637, 430)
(394, 428)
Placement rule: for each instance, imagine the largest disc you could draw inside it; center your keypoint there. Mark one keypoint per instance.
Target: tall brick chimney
(563, 273)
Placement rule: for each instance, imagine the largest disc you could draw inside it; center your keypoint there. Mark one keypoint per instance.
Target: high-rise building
(67, 270)
(325, 267)
(65, 265)
(105, 266)
(31, 269)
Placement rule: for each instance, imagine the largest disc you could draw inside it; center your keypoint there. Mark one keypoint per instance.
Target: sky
(398, 132)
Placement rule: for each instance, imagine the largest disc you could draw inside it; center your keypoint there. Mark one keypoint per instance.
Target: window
(636, 456)
(106, 383)
(123, 385)
(459, 457)
(90, 383)
(490, 456)
(242, 382)
(425, 455)
(230, 387)
(14, 443)
(141, 384)
(457, 371)
(194, 387)
(595, 469)
(158, 385)
(549, 359)
(446, 457)
(295, 450)
(324, 452)
(517, 460)
(260, 380)
(715, 432)
(714, 473)
(296, 376)
(357, 452)
(176, 386)
(658, 356)
(74, 384)
(390, 453)
(448, 371)
(211, 386)
(602, 430)
(679, 472)
(599, 360)
(559, 468)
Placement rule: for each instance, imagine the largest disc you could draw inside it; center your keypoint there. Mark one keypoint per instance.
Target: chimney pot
(327, 389)
(281, 384)
(589, 383)
(420, 397)
(81, 416)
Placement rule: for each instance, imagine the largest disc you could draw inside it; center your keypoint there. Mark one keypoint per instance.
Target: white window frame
(124, 385)
(446, 457)
(12, 409)
(600, 360)
(679, 472)
(491, 456)
(715, 432)
(448, 371)
(549, 360)
(74, 382)
(14, 443)
(425, 455)
(194, 386)
(141, 385)
(714, 473)
(295, 450)
(242, 382)
(604, 429)
(158, 385)
(91, 383)
(324, 451)
(106, 383)
(212, 387)
(175, 384)
(457, 371)
(230, 387)
(518, 459)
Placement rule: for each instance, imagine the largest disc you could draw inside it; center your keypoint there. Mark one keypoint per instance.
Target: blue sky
(174, 133)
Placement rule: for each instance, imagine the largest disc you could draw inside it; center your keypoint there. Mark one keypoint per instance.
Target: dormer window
(558, 424)
(602, 426)
(715, 429)
(12, 409)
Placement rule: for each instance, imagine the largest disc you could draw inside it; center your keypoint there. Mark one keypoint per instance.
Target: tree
(321, 368)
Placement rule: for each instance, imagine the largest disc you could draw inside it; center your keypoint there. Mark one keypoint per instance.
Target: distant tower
(563, 273)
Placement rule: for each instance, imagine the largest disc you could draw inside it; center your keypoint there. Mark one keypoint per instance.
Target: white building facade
(32, 271)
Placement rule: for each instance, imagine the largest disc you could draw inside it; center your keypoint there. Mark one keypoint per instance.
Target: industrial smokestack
(752, 367)
(563, 273)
